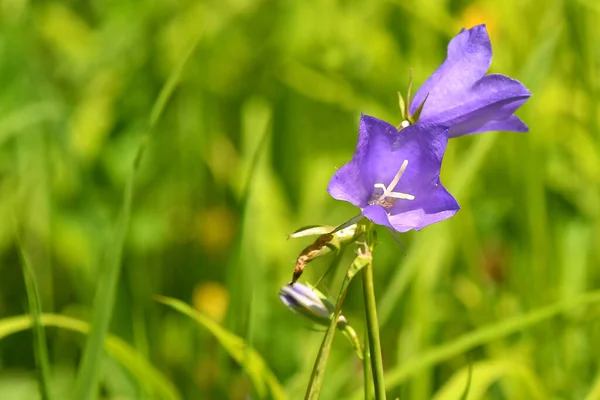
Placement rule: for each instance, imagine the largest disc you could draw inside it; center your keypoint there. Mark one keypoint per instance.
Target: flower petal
(512, 123)
(354, 181)
(436, 206)
(430, 206)
(345, 185)
(469, 57)
(495, 97)
(378, 215)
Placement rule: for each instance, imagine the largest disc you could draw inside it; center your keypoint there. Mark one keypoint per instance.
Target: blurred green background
(265, 107)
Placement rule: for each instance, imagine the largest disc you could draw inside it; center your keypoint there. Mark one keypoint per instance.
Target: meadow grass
(252, 105)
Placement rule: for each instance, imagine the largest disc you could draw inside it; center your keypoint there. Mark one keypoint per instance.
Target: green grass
(246, 132)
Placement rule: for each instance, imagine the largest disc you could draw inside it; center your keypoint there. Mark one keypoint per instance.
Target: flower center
(388, 198)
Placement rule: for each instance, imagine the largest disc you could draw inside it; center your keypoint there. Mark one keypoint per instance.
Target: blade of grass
(485, 334)
(39, 335)
(252, 363)
(89, 372)
(481, 336)
(485, 374)
(151, 379)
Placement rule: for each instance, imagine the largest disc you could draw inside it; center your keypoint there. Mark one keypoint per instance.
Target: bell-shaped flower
(461, 96)
(309, 303)
(394, 175)
(314, 305)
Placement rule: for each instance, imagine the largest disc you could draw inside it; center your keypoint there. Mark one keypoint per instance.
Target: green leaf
(252, 363)
(310, 230)
(485, 374)
(150, 379)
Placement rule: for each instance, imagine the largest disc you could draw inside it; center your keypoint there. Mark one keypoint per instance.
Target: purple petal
(345, 185)
(429, 207)
(378, 215)
(433, 204)
(495, 97)
(469, 57)
(512, 123)
(353, 182)
(288, 300)
(301, 290)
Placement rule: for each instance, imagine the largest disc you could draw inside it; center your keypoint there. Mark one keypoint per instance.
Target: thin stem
(367, 368)
(316, 377)
(373, 331)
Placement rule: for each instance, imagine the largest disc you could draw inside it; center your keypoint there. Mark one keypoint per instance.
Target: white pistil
(388, 190)
(404, 124)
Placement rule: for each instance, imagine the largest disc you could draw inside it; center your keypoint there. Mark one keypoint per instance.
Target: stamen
(396, 179)
(397, 195)
(388, 191)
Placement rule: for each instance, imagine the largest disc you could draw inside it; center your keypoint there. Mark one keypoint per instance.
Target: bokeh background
(265, 102)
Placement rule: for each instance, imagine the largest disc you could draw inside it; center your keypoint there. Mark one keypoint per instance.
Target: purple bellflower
(310, 303)
(314, 305)
(394, 175)
(460, 95)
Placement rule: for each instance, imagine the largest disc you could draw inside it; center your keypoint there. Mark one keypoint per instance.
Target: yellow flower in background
(476, 14)
(211, 298)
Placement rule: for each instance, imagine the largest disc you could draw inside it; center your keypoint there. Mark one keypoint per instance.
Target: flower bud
(315, 306)
(310, 303)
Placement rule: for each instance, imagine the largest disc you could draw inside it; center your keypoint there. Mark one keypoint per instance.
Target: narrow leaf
(254, 365)
(39, 335)
(149, 378)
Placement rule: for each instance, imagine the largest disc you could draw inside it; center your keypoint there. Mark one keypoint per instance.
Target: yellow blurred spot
(477, 14)
(212, 299)
(214, 229)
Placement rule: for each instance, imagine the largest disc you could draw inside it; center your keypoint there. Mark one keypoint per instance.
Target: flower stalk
(372, 325)
(316, 378)
(368, 385)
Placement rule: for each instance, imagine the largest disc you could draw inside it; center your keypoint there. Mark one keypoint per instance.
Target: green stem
(316, 377)
(373, 331)
(367, 369)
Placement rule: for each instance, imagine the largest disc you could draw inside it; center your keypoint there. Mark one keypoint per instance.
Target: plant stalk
(368, 384)
(373, 331)
(316, 377)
